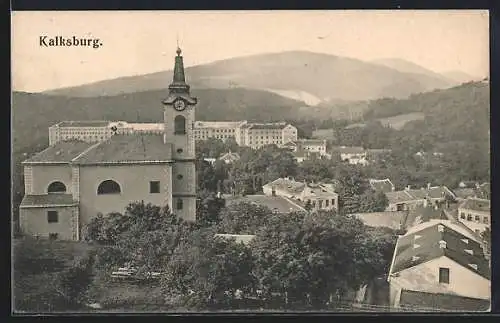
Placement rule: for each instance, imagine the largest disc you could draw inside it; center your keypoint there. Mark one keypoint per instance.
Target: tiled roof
(476, 204)
(63, 151)
(279, 204)
(127, 148)
(285, 184)
(384, 185)
(448, 302)
(348, 150)
(392, 220)
(423, 245)
(423, 214)
(47, 199)
(84, 123)
(239, 238)
(399, 196)
(434, 192)
(263, 126)
(464, 192)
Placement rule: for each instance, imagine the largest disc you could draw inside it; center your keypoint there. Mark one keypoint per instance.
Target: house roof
(476, 204)
(419, 246)
(239, 238)
(263, 126)
(434, 192)
(127, 148)
(83, 123)
(311, 141)
(423, 214)
(230, 156)
(47, 199)
(279, 204)
(62, 152)
(318, 190)
(384, 185)
(464, 192)
(417, 299)
(392, 220)
(288, 185)
(348, 150)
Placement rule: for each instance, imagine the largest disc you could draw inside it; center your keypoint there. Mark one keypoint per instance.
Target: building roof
(378, 151)
(279, 204)
(218, 124)
(465, 192)
(230, 156)
(349, 150)
(384, 185)
(441, 301)
(392, 220)
(83, 123)
(423, 214)
(311, 141)
(318, 190)
(239, 238)
(476, 204)
(62, 152)
(47, 199)
(434, 192)
(287, 185)
(423, 244)
(127, 148)
(263, 126)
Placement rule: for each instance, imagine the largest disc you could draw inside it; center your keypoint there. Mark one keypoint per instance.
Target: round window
(179, 150)
(179, 176)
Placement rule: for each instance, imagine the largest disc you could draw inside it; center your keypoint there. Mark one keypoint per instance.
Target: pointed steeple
(178, 84)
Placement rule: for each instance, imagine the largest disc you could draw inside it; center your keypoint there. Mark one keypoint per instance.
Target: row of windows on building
(107, 187)
(477, 218)
(320, 203)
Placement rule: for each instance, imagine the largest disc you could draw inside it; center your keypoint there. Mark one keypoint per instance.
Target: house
(71, 182)
(230, 157)
(239, 238)
(352, 155)
(475, 213)
(441, 265)
(391, 220)
(408, 198)
(319, 196)
(277, 204)
(382, 185)
(309, 145)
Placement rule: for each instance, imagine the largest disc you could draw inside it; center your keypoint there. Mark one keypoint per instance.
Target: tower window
(108, 187)
(56, 187)
(154, 187)
(179, 150)
(52, 217)
(180, 204)
(444, 275)
(179, 125)
(180, 176)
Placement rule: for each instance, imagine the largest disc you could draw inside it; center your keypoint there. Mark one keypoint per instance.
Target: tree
(372, 201)
(73, 282)
(243, 218)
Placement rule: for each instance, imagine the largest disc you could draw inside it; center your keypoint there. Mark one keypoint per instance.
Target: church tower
(178, 116)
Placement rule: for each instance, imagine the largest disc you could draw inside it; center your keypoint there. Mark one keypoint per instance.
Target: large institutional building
(112, 165)
(254, 135)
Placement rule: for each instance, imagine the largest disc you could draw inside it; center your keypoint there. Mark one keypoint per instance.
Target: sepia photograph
(333, 161)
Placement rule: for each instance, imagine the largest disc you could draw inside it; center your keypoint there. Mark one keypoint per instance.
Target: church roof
(47, 200)
(62, 152)
(127, 149)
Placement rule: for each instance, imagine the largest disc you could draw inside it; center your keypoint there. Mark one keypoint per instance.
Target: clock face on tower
(179, 105)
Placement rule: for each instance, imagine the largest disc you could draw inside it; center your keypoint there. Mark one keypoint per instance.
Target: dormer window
(474, 266)
(415, 258)
(469, 251)
(415, 237)
(415, 246)
(442, 244)
(466, 241)
(441, 228)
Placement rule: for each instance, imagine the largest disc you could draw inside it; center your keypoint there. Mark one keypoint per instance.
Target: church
(71, 182)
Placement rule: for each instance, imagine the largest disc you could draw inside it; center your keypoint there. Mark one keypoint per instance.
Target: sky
(141, 42)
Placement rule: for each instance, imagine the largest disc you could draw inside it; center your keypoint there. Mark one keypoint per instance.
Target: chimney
(273, 192)
(426, 202)
(408, 188)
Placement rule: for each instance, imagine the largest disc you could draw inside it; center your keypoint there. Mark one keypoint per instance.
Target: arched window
(180, 204)
(180, 125)
(108, 187)
(56, 187)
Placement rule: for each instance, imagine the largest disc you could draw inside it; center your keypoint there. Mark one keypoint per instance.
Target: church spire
(178, 84)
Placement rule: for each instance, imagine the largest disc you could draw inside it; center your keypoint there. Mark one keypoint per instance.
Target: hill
(459, 76)
(410, 67)
(318, 77)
